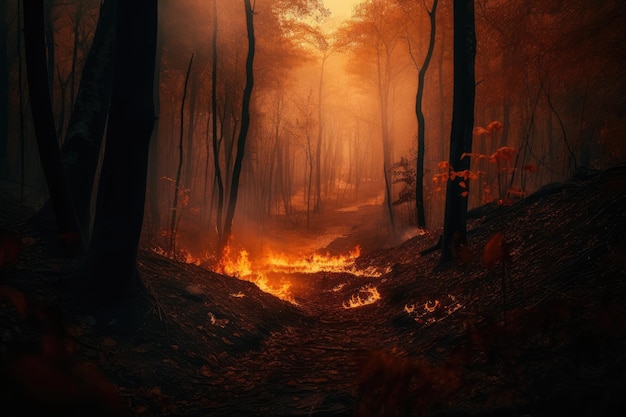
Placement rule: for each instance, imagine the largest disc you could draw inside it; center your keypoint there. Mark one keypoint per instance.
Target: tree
(4, 90)
(122, 187)
(43, 120)
(421, 120)
(177, 187)
(81, 148)
(455, 217)
(243, 132)
(216, 143)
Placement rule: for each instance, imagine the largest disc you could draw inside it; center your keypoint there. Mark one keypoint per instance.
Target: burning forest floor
(543, 334)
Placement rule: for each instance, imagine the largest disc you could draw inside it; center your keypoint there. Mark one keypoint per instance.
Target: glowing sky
(341, 8)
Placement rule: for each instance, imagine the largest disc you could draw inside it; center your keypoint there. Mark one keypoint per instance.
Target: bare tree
(112, 254)
(81, 148)
(177, 187)
(455, 219)
(43, 119)
(243, 132)
(4, 90)
(419, 112)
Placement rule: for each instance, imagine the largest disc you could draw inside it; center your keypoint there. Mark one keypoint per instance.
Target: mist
(332, 142)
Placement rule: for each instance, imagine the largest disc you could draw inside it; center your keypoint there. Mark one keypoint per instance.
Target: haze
(341, 8)
(330, 157)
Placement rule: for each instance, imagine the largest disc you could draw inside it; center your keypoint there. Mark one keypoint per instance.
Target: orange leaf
(464, 194)
(495, 126)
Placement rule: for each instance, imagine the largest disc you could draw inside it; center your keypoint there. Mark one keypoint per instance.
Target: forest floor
(543, 334)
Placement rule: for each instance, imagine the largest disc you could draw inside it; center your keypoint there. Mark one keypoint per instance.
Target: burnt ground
(543, 334)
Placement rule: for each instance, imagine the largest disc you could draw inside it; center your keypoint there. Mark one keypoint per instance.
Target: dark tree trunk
(50, 51)
(122, 188)
(454, 227)
(216, 142)
(320, 137)
(43, 121)
(4, 91)
(177, 188)
(81, 148)
(188, 177)
(421, 121)
(243, 132)
(153, 162)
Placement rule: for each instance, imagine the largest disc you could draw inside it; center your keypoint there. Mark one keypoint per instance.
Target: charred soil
(538, 330)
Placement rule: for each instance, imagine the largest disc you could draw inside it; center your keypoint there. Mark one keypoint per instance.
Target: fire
(271, 264)
(269, 270)
(370, 296)
(431, 312)
(312, 264)
(242, 268)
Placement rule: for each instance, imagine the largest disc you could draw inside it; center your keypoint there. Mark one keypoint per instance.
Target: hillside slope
(542, 334)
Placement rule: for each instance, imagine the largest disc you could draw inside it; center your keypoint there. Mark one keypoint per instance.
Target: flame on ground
(262, 271)
(241, 268)
(431, 312)
(366, 295)
(277, 263)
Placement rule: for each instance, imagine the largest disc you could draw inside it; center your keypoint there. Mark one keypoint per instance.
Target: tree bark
(81, 148)
(215, 141)
(43, 121)
(4, 91)
(455, 219)
(243, 133)
(320, 136)
(112, 254)
(421, 121)
(153, 161)
(172, 248)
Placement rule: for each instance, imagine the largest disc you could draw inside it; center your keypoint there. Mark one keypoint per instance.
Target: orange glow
(366, 295)
(242, 268)
(270, 271)
(431, 312)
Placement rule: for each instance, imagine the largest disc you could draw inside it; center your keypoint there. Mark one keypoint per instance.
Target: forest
(312, 207)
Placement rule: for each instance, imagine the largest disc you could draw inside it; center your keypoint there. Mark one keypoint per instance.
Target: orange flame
(370, 296)
(263, 271)
(242, 268)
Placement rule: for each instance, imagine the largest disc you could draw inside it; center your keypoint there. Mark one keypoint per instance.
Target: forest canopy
(332, 112)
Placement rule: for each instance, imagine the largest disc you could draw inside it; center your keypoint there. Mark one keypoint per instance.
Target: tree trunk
(421, 122)
(48, 26)
(121, 193)
(455, 220)
(43, 121)
(172, 249)
(85, 133)
(243, 133)
(188, 178)
(153, 162)
(320, 136)
(216, 142)
(384, 81)
(4, 91)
